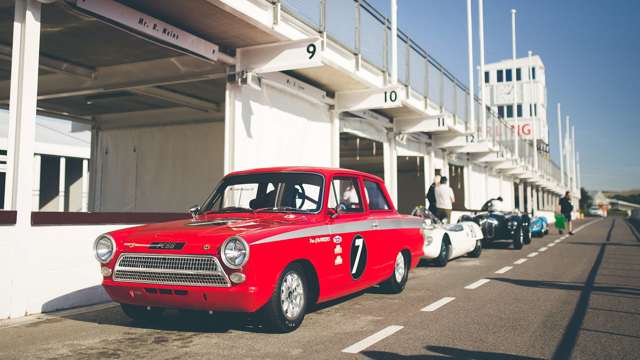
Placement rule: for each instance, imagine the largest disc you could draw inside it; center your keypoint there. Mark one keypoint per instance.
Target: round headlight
(104, 247)
(234, 252)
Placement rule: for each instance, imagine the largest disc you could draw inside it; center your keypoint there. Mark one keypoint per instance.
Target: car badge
(206, 247)
(337, 239)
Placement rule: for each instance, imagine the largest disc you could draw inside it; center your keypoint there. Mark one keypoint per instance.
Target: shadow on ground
(444, 352)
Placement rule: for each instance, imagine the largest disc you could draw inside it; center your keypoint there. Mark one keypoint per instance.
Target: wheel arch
(312, 278)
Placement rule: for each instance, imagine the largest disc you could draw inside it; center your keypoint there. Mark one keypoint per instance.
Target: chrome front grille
(187, 270)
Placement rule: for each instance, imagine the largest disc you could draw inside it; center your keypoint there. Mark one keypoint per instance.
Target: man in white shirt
(444, 200)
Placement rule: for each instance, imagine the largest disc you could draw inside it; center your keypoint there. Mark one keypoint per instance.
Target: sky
(591, 52)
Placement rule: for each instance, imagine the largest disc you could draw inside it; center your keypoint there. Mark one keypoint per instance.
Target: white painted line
(543, 249)
(504, 269)
(532, 254)
(365, 343)
(520, 261)
(477, 284)
(438, 304)
(552, 245)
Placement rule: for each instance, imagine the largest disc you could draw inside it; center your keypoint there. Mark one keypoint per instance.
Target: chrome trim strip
(355, 226)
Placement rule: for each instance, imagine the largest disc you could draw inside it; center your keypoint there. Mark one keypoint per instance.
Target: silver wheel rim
(291, 295)
(399, 268)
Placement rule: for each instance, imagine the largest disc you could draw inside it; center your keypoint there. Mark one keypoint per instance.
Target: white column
(560, 145)
(335, 138)
(391, 167)
(567, 157)
(229, 127)
(534, 119)
(573, 158)
(521, 196)
(578, 171)
(85, 185)
(513, 78)
(22, 109)
(427, 177)
(483, 100)
(472, 108)
(37, 165)
(394, 42)
(62, 183)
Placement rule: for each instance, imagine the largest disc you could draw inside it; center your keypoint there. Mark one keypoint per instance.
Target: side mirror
(499, 198)
(194, 211)
(333, 213)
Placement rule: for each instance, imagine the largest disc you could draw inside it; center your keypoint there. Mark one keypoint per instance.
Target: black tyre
(398, 279)
(445, 250)
(518, 239)
(477, 250)
(288, 305)
(142, 313)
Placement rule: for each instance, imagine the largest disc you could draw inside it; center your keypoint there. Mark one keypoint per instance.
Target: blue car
(539, 226)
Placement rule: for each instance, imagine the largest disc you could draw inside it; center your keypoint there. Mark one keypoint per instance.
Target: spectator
(566, 208)
(431, 195)
(444, 200)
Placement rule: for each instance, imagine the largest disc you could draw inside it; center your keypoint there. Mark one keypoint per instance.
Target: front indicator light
(106, 272)
(238, 278)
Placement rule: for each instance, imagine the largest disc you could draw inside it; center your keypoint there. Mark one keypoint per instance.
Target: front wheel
(142, 313)
(397, 281)
(477, 250)
(518, 239)
(288, 305)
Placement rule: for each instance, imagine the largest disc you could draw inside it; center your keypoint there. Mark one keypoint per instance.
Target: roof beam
(155, 117)
(174, 70)
(178, 99)
(54, 65)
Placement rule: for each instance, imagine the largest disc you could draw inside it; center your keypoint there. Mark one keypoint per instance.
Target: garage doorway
(361, 154)
(411, 183)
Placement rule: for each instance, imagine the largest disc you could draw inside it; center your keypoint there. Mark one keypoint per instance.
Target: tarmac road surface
(559, 297)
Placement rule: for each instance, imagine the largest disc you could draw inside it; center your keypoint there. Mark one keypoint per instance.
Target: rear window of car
(375, 196)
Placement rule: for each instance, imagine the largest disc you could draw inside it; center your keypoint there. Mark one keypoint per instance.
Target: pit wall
(48, 268)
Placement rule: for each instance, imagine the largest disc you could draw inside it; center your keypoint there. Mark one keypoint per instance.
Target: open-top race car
(273, 241)
(444, 242)
(539, 226)
(501, 225)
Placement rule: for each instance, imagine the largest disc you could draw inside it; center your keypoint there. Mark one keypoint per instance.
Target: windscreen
(277, 192)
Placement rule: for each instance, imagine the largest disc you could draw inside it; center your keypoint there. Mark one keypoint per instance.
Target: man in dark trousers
(431, 195)
(566, 208)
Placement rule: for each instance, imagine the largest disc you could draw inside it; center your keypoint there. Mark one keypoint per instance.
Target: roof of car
(327, 171)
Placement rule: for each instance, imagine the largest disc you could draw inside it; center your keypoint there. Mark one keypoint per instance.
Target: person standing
(444, 200)
(431, 195)
(566, 208)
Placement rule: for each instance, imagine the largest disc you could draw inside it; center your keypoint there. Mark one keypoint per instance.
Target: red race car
(273, 240)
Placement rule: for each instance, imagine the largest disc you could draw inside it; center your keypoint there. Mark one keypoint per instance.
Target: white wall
(146, 169)
(274, 127)
(47, 268)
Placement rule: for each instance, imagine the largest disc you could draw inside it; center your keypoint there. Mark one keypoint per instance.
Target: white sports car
(444, 242)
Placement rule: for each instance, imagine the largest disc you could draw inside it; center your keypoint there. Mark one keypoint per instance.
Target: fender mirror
(194, 211)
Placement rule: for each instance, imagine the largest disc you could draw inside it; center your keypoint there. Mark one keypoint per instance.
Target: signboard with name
(150, 26)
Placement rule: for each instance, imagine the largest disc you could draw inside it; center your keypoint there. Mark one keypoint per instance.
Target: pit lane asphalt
(579, 298)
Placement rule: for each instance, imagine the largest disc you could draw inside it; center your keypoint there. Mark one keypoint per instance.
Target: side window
(345, 195)
(375, 196)
(507, 75)
(500, 76)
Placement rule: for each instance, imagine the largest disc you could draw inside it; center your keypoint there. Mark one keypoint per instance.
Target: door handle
(375, 225)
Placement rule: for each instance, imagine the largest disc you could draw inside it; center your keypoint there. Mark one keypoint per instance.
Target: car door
(350, 234)
(384, 237)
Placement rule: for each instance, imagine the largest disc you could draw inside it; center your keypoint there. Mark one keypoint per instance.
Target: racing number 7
(358, 242)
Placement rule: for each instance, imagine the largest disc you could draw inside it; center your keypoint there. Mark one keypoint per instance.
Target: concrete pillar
(62, 183)
(521, 196)
(85, 185)
(22, 110)
(391, 167)
(428, 177)
(37, 166)
(335, 138)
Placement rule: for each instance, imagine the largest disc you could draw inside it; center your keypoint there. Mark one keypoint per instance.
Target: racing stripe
(350, 227)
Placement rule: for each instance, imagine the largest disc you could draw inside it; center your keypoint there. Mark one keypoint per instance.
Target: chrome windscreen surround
(185, 270)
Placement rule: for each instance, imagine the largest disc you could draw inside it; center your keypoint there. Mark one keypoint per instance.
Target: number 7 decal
(358, 256)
